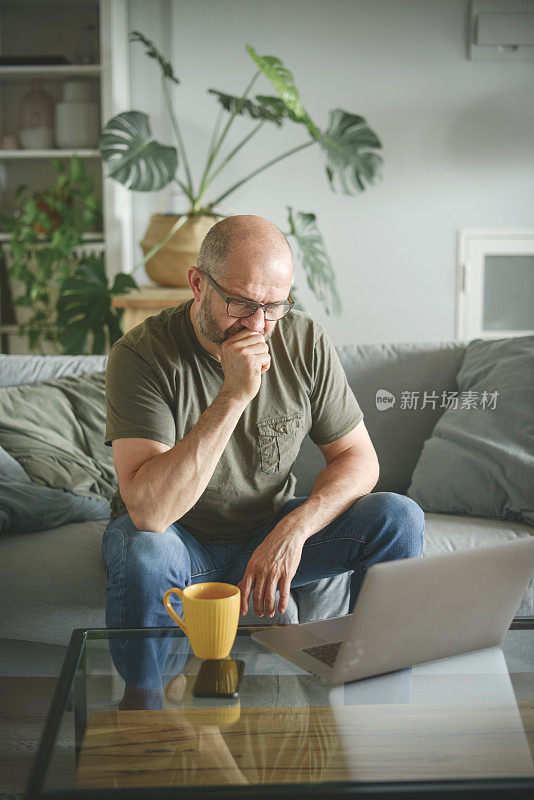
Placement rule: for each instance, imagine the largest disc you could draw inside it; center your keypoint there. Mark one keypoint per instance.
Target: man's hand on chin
(272, 565)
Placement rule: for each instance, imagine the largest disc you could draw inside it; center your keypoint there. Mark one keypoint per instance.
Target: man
(208, 404)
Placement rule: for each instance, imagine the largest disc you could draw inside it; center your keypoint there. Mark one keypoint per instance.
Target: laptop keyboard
(327, 653)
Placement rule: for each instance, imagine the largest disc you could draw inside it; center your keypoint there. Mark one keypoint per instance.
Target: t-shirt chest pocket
(278, 441)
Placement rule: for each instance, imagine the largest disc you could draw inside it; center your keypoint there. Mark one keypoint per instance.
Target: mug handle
(170, 610)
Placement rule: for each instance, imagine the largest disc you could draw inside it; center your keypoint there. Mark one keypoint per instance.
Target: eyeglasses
(235, 307)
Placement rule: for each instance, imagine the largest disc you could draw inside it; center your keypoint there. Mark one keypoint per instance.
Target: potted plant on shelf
(350, 148)
(56, 274)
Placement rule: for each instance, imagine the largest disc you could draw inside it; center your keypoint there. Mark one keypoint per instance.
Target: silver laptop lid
(417, 610)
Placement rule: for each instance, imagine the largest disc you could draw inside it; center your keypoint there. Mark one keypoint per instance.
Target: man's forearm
(167, 486)
(347, 478)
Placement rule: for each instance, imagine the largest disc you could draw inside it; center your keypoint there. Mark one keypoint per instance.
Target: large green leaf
(314, 259)
(153, 52)
(284, 83)
(85, 319)
(277, 106)
(133, 157)
(123, 283)
(350, 147)
(73, 337)
(237, 105)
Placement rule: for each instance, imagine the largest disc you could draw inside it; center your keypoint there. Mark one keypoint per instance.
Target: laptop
(413, 611)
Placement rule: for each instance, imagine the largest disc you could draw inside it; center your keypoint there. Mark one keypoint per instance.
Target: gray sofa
(55, 580)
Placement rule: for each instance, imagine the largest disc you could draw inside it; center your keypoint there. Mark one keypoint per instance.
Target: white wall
(457, 139)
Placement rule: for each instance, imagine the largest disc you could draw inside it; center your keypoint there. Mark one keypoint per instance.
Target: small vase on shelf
(36, 119)
(77, 117)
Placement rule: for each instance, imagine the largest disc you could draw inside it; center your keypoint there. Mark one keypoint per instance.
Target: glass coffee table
(124, 723)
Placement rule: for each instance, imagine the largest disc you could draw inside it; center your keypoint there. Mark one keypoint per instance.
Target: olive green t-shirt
(160, 380)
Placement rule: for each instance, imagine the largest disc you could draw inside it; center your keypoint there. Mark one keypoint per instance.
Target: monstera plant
(349, 147)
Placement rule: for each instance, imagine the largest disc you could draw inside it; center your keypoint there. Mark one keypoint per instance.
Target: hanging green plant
(46, 250)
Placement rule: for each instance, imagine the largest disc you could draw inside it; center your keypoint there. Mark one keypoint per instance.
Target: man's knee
(399, 515)
(144, 557)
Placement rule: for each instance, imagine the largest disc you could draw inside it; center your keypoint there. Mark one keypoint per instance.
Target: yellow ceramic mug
(211, 615)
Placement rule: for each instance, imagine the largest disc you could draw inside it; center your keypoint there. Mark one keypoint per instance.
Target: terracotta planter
(169, 266)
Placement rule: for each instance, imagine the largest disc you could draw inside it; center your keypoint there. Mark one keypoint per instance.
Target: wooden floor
(25, 702)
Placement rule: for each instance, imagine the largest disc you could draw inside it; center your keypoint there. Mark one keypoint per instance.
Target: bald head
(246, 235)
(250, 259)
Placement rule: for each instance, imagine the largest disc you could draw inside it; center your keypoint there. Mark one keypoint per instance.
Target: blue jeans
(142, 565)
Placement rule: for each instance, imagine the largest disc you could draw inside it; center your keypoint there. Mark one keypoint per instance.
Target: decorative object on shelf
(88, 53)
(77, 117)
(169, 266)
(36, 119)
(350, 148)
(64, 285)
(10, 142)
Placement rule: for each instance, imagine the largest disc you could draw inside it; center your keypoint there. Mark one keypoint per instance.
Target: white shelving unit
(6, 155)
(54, 28)
(49, 72)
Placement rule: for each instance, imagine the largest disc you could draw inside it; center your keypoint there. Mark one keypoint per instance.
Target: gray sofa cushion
(323, 599)
(24, 505)
(480, 460)
(52, 581)
(447, 532)
(20, 370)
(397, 433)
(55, 430)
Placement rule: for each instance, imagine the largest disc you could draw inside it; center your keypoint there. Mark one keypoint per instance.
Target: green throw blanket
(55, 430)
